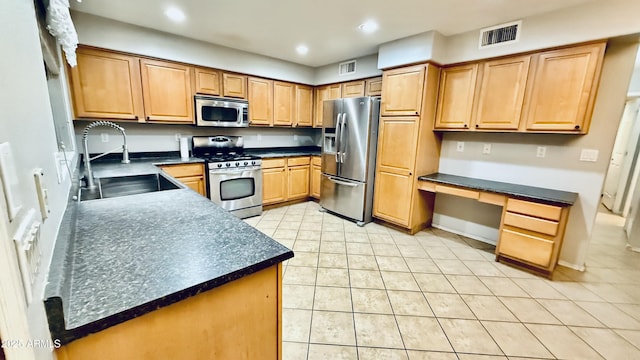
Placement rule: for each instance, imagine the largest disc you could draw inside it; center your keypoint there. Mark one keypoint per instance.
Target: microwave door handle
(344, 124)
(338, 134)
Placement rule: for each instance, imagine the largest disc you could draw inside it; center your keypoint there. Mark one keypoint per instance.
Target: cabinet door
(563, 89)
(392, 197)
(314, 180)
(234, 85)
(304, 105)
(196, 183)
(501, 93)
(274, 185)
(455, 96)
(106, 86)
(284, 98)
(353, 89)
(207, 81)
(402, 91)
(298, 182)
(322, 94)
(374, 87)
(335, 91)
(260, 101)
(168, 96)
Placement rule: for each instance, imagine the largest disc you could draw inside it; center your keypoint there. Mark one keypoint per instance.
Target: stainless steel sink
(109, 187)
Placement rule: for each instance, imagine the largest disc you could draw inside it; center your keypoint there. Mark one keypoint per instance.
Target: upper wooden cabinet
(167, 92)
(327, 92)
(260, 101)
(304, 105)
(455, 96)
(563, 89)
(499, 102)
(353, 89)
(207, 81)
(234, 85)
(402, 91)
(284, 99)
(106, 85)
(373, 87)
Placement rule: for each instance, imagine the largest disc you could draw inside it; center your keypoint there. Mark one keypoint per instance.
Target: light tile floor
(376, 293)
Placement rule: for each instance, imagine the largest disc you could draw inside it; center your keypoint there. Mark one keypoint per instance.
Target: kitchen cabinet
(106, 85)
(304, 105)
(234, 85)
(407, 148)
(402, 91)
(191, 175)
(531, 234)
(240, 320)
(373, 86)
(315, 178)
(455, 96)
(353, 89)
(563, 89)
(298, 169)
(260, 96)
(327, 92)
(501, 94)
(207, 81)
(284, 101)
(167, 92)
(274, 181)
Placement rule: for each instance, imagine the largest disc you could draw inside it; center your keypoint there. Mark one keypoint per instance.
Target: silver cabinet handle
(339, 182)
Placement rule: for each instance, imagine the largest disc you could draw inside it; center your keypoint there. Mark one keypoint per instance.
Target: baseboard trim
(633, 248)
(572, 266)
(462, 233)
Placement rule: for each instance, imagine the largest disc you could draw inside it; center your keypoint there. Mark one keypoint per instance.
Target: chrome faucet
(87, 160)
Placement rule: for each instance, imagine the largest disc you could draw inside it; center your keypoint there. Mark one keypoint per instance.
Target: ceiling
(329, 28)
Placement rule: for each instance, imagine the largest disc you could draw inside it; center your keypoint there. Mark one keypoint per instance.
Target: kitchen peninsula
(165, 274)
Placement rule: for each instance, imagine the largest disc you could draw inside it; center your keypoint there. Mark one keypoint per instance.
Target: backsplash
(154, 137)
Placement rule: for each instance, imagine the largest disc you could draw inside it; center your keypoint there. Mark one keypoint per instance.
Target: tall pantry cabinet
(407, 146)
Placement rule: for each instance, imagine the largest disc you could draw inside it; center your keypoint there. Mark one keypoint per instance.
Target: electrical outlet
(295, 137)
(541, 152)
(104, 137)
(590, 155)
(178, 136)
(486, 149)
(460, 146)
(259, 137)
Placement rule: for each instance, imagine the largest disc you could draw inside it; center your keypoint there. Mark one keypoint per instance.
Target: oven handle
(339, 182)
(231, 172)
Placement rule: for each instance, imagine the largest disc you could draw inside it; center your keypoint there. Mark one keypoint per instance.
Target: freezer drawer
(343, 197)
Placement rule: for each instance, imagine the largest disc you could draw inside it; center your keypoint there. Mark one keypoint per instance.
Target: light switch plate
(486, 149)
(590, 155)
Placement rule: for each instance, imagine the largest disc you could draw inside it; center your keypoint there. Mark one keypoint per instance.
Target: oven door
(236, 189)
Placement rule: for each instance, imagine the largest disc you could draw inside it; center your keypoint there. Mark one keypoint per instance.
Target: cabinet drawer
(298, 161)
(534, 209)
(273, 163)
(184, 170)
(491, 198)
(531, 223)
(316, 160)
(457, 191)
(525, 247)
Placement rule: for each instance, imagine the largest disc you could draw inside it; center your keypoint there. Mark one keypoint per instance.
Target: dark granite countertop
(284, 151)
(537, 194)
(119, 258)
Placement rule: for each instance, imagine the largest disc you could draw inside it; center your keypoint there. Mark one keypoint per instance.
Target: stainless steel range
(234, 179)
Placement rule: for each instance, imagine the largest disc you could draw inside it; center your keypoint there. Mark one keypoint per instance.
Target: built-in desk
(533, 219)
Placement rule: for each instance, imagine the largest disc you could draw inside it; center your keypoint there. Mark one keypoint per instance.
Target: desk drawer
(457, 192)
(534, 209)
(427, 186)
(273, 163)
(526, 247)
(531, 223)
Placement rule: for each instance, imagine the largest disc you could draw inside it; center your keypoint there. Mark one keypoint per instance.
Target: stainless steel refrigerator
(349, 143)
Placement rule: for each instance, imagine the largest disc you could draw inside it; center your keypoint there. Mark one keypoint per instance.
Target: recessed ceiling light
(302, 49)
(175, 14)
(368, 27)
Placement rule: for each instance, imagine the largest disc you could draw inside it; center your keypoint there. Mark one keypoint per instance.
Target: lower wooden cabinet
(298, 170)
(285, 179)
(315, 177)
(191, 175)
(240, 320)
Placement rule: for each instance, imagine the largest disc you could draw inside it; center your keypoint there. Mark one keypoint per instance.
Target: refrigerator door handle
(344, 124)
(338, 137)
(339, 182)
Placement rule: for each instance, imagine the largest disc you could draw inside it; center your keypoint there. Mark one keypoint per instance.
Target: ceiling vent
(347, 67)
(500, 34)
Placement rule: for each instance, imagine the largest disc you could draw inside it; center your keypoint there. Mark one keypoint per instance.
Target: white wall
(115, 35)
(366, 66)
(26, 123)
(411, 49)
(513, 159)
(153, 137)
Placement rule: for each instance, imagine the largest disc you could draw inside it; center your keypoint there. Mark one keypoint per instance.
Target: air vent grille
(500, 34)
(347, 67)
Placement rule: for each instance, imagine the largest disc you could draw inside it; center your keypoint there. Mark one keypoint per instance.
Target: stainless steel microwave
(223, 112)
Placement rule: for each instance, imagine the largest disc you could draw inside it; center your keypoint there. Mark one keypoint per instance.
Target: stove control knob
(219, 165)
(253, 162)
(228, 164)
(246, 163)
(237, 164)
